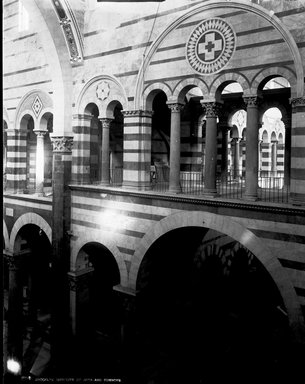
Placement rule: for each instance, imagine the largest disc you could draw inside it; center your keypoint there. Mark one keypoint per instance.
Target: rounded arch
(25, 105)
(95, 238)
(45, 114)
(88, 94)
(151, 91)
(5, 236)
(110, 107)
(265, 137)
(227, 78)
(267, 74)
(186, 84)
(6, 116)
(237, 232)
(29, 218)
(24, 118)
(237, 4)
(281, 138)
(273, 104)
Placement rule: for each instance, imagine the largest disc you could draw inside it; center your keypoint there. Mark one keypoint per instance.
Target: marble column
(224, 148)
(274, 158)
(15, 309)
(61, 215)
(252, 148)
(211, 110)
(236, 171)
(105, 151)
(287, 150)
(40, 160)
(174, 172)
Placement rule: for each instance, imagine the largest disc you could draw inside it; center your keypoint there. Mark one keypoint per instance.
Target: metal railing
(271, 186)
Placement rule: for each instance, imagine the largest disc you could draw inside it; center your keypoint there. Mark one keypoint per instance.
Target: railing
(271, 186)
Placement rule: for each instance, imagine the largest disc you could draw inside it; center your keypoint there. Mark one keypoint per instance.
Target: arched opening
(160, 140)
(27, 124)
(116, 143)
(230, 148)
(97, 314)
(36, 282)
(95, 143)
(205, 303)
(46, 124)
(274, 152)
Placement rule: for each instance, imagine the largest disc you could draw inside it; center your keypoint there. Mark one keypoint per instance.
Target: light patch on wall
(23, 22)
(9, 212)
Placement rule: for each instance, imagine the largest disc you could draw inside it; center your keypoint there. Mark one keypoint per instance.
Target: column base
(175, 189)
(210, 192)
(136, 185)
(105, 183)
(250, 196)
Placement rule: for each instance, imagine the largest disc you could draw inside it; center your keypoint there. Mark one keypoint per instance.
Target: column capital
(236, 139)
(297, 102)
(212, 108)
(252, 101)
(40, 132)
(62, 143)
(105, 121)
(14, 260)
(175, 107)
(79, 282)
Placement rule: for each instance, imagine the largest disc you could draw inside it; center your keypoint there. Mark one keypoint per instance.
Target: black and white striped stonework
(298, 149)
(81, 149)
(16, 166)
(137, 149)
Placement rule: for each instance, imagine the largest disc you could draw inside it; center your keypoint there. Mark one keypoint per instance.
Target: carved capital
(298, 102)
(251, 101)
(14, 262)
(62, 143)
(212, 109)
(105, 122)
(175, 107)
(41, 133)
(79, 283)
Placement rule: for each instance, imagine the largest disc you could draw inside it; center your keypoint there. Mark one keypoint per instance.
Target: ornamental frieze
(211, 45)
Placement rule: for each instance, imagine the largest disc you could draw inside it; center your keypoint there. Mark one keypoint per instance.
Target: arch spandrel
(101, 90)
(172, 63)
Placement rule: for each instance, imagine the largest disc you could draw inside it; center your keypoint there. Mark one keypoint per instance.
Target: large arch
(237, 4)
(94, 237)
(237, 232)
(57, 53)
(29, 218)
(5, 235)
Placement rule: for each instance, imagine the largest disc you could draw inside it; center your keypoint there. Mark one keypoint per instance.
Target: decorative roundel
(211, 46)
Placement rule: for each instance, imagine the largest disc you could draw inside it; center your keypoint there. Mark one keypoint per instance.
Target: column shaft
(174, 171)
(224, 153)
(236, 172)
(40, 162)
(287, 152)
(251, 149)
(105, 152)
(210, 149)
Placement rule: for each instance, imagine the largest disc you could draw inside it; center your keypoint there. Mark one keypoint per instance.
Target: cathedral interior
(153, 191)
